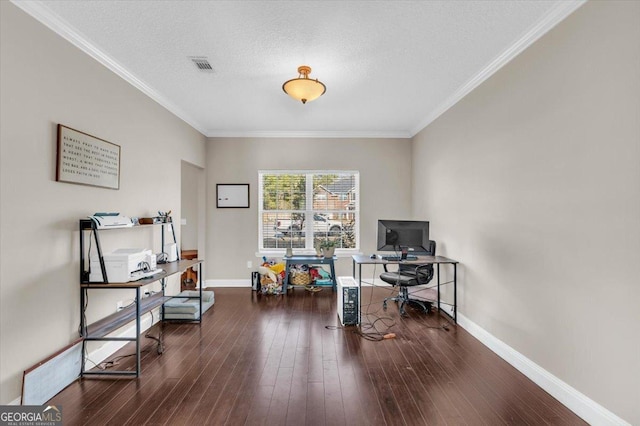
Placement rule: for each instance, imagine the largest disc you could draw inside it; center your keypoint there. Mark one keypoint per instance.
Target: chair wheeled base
(403, 298)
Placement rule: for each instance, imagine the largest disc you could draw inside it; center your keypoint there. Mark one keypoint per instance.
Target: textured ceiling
(390, 67)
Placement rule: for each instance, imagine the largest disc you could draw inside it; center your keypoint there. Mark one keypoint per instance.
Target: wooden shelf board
(116, 320)
(168, 268)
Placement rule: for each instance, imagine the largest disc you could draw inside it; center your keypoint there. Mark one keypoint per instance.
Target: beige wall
(44, 80)
(191, 233)
(384, 166)
(533, 183)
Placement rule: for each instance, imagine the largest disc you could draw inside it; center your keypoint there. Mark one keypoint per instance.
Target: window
(299, 208)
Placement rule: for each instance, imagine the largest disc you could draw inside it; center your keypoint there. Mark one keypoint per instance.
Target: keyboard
(138, 275)
(398, 258)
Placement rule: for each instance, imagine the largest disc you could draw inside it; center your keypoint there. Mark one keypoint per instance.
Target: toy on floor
(271, 276)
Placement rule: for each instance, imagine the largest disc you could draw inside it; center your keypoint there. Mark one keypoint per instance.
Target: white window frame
(309, 211)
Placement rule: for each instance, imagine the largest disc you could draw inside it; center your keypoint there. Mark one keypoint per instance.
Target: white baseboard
(105, 351)
(228, 283)
(589, 410)
(247, 283)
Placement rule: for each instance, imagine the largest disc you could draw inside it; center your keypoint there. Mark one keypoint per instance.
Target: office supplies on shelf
(171, 250)
(164, 217)
(111, 220)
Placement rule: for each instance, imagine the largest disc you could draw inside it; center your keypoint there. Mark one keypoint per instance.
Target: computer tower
(348, 301)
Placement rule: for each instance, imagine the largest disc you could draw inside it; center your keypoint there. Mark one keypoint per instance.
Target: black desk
(308, 260)
(361, 259)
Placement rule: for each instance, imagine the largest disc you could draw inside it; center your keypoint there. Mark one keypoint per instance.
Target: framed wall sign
(87, 160)
(232, 195)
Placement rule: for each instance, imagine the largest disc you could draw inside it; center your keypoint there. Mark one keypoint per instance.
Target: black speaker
(255, 281)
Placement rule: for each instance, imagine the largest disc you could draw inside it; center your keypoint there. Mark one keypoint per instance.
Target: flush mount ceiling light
(303, 88)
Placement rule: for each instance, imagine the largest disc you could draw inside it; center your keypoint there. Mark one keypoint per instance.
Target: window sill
(281, 253)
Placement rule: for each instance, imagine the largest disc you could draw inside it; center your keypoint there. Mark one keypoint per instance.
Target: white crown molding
(550, 20)
(586, 408)
(309, 134)
(40, 12)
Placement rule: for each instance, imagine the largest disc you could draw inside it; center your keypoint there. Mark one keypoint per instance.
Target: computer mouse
(373, 256)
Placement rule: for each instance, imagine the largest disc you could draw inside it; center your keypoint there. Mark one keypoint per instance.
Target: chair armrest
(384, 265)
(419, 267)
(425, 271)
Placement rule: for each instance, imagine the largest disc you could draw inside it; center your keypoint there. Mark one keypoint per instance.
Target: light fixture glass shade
(303, 88)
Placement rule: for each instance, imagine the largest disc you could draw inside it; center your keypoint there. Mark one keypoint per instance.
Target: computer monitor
(396, 234)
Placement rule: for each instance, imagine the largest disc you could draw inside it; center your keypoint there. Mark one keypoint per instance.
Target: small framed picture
(232, 195)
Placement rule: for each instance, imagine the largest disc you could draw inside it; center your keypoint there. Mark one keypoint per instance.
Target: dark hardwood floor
(282, 361)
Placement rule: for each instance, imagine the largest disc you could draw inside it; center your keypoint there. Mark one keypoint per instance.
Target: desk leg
(360, 294)
(333, 275)
(285, 283)
(200, 289)
(455, 295)
(138, 331)
(438, 269)
(83, 326)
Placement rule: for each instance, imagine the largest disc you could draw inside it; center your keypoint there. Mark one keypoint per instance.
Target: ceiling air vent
(202, 63)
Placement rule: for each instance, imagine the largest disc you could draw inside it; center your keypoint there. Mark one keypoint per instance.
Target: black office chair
(407, 276)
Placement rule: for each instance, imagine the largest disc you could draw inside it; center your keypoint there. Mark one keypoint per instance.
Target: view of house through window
(299, 209)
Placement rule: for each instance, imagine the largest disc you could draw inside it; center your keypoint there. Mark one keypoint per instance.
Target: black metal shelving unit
(100, 330)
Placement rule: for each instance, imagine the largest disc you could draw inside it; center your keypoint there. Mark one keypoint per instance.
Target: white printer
(122, 264)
